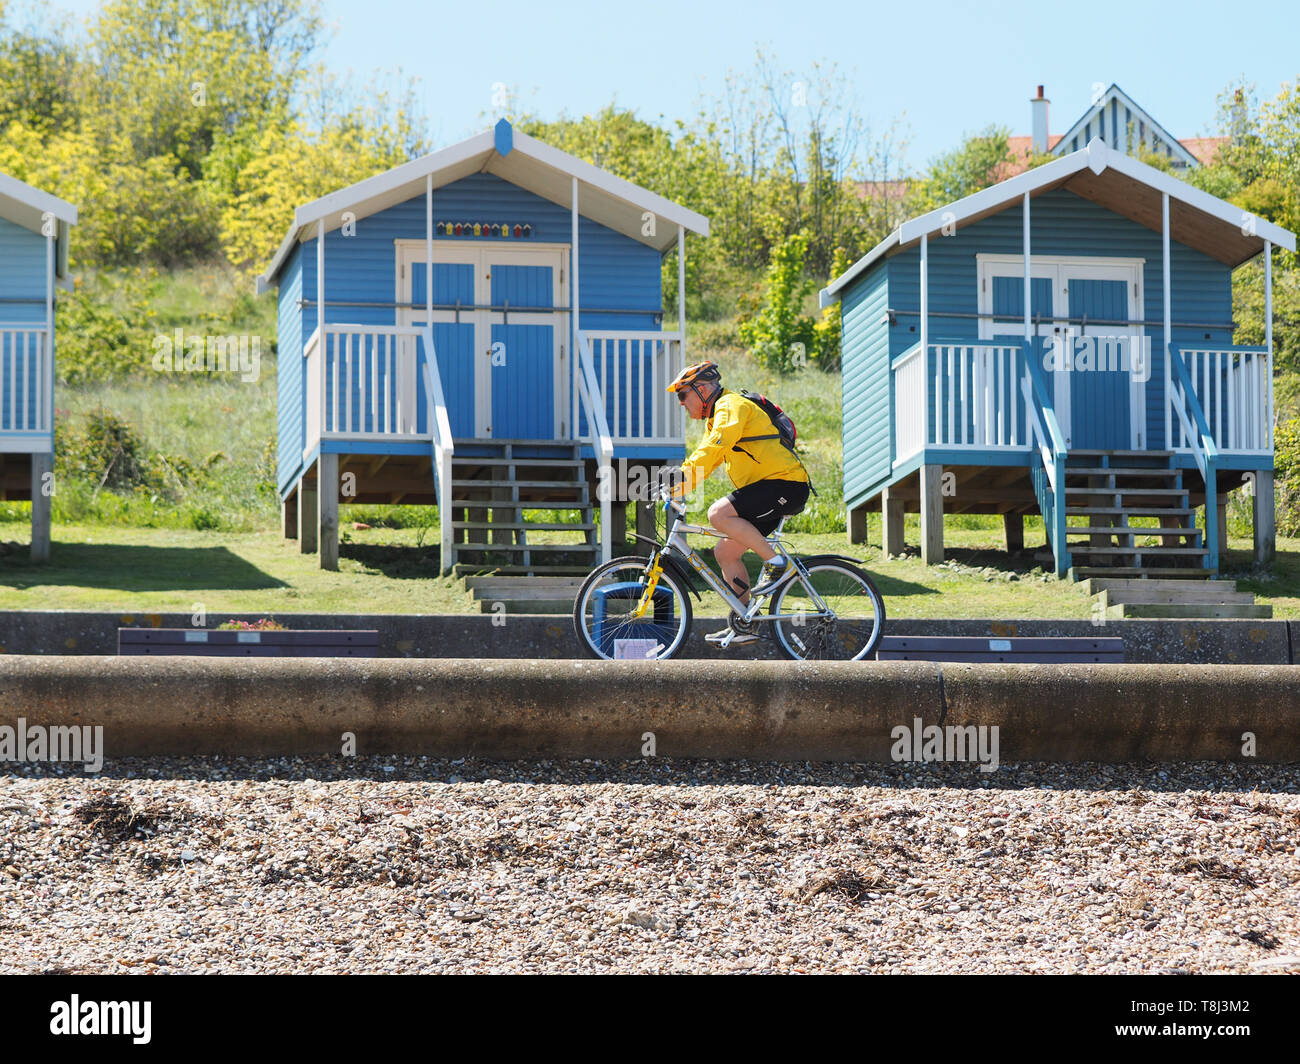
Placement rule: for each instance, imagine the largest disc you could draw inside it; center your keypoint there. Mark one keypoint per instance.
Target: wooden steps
(538, 526)
(1115, 599)
(1106, 491)
(494, 483)
(1161, 572)
(468, 570)
(1135, 530)
(524, 594)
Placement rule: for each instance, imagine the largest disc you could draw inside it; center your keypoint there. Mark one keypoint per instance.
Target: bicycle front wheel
(613, 618)
(850, 627)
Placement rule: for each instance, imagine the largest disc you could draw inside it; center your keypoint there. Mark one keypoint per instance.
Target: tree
(976, 164)
(172, 76)
(1259, 170)
(776, 330)
(39, 74)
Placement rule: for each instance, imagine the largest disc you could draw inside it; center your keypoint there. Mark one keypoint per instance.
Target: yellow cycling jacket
(735, 417)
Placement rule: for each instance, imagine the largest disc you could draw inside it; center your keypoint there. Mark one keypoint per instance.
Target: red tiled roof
(890, 191)
(1204, 148)
(1020, 148)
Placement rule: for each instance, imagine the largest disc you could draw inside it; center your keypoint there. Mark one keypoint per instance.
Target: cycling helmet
(700, 373)
(695, 377)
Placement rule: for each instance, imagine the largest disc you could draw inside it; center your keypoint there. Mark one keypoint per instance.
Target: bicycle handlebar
(670, 503)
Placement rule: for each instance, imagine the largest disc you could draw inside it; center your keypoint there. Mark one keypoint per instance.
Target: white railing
(588, 400)
(909, 404)
(1040, 435)
(1234, 388)
(315, 387)
(633, 370)
(25, 381)
(964, 394)
(444, 448)
(362, 384)
(975, 396)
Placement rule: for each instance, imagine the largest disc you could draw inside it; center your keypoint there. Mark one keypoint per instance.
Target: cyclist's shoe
(741, 636)
(773, 573)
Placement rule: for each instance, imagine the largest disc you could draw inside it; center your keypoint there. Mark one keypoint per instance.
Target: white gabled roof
(24, 205)
(1138, 113)
(1116, 181)
(515, 157)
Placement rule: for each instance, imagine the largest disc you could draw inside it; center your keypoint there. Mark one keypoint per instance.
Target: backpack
(784, 425)
(781, 421)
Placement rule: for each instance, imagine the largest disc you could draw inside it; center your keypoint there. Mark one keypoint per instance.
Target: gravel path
(367, 865)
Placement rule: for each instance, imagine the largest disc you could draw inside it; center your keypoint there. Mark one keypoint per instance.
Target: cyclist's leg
(741, 536)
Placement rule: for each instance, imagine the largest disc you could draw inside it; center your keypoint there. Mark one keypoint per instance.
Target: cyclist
(770, 480)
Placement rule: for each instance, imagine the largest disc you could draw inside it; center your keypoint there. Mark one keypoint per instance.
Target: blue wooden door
(1100, 385)
(453, 339)
(523, 345)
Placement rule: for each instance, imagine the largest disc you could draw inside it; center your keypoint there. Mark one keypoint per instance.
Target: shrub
(1286, 448)
(774, 327)
(106, 451)
(1286, 466)
(826, 333)
(105, 329)
(265, 624)
(1288, 507)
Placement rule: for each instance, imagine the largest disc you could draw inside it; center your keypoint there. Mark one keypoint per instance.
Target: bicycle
(822, 608)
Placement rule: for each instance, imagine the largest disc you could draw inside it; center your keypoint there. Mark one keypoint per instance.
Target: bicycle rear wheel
(604, 613)
(852, 629)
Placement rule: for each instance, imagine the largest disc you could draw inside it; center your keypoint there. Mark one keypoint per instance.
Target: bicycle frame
(675, 540)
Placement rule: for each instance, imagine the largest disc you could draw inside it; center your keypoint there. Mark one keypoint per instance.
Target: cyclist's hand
(665, 494)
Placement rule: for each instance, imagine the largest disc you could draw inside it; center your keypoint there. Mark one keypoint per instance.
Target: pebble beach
(420, 865)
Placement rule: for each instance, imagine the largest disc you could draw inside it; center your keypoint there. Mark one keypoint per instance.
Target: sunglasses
(681, 397)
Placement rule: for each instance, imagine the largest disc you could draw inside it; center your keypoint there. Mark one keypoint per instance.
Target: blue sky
(942, 68)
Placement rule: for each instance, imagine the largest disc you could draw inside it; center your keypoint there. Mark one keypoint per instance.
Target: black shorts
(765, 502)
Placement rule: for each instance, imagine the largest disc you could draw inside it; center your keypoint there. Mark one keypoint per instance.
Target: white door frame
(412, 251)
(1062, 269)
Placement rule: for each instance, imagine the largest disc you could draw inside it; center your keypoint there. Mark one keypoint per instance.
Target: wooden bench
(1026, 650)
(203, 642)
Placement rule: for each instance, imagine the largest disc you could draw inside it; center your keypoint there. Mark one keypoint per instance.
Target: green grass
(151, 570)
(382, 570)
(222, 427)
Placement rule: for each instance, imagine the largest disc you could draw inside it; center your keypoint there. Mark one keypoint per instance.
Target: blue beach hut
(33, 263)
(480, 329)
(1061, 343)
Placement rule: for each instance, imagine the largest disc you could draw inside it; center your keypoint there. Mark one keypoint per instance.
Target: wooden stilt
(1263, 506)
(327, 489)
(931, 514)
(42, 489)
(891, 534)
(307, 541)
(1013, 532)
(857, 526)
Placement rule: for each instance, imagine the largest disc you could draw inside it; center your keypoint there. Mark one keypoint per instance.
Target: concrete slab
(783, 711)
(498, 635)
